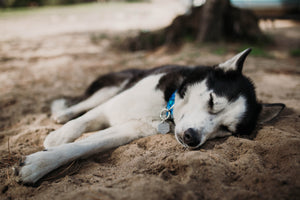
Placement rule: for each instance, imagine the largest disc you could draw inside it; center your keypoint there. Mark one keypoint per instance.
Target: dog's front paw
(66, 134)
(34, 167)
(56, 138)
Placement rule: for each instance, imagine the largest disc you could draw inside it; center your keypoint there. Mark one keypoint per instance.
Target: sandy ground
(40, 61)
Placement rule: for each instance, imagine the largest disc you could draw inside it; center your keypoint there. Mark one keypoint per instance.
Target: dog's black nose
(191, 138)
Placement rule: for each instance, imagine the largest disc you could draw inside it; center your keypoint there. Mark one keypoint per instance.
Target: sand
(35, 70)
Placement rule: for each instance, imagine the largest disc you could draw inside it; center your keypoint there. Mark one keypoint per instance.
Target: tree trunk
(215, 21)
(211, 24)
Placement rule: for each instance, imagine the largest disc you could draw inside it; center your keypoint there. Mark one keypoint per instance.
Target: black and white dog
(197, 104)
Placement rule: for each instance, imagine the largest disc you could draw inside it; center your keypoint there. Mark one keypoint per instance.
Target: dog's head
(217, 101)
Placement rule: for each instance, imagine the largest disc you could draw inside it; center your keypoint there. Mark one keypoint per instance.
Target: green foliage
(219, 51)
(295, 52)
(257, 51)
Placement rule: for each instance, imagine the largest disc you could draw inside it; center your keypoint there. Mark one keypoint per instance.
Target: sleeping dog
(195, 103)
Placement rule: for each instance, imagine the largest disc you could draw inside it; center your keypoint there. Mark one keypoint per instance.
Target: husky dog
(196, 103)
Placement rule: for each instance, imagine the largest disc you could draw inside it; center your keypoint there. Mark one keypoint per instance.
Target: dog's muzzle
(190, 138)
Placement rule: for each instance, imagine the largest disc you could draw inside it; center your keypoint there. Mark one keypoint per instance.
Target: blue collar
(171, 103)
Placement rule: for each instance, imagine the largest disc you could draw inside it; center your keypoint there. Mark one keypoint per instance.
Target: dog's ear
(270, 112)
(235, 63)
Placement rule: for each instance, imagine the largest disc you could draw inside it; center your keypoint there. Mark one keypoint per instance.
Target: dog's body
(209, 102)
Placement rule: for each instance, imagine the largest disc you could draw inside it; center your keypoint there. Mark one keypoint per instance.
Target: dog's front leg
(38, 164)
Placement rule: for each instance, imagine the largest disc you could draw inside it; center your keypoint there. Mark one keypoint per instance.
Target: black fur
(168, 83)
(115, 79)
(172, 80)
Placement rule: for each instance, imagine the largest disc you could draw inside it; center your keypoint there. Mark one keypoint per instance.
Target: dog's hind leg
(101, 90)
(61, 113)
(38, 164)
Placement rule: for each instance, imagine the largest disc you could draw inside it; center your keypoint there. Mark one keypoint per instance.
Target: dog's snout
(191, 138)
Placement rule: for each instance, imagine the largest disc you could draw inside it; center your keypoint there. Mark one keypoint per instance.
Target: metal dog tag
(163, 127)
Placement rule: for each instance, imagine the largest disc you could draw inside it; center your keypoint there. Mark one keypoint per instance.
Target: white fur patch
(141, 102)
(233, 113)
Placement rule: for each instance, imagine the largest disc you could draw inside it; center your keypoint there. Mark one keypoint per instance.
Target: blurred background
(55, 48)
(40, 17)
